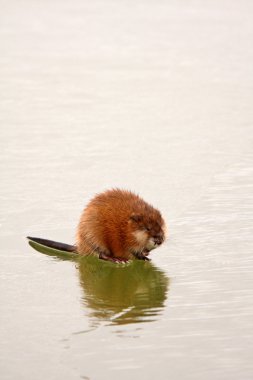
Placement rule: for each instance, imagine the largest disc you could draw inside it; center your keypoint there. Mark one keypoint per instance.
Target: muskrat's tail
(53, 244)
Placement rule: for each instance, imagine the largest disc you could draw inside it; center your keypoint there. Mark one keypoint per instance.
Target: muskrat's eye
(148, 228)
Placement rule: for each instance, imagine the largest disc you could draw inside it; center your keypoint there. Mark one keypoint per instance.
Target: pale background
(153, 96)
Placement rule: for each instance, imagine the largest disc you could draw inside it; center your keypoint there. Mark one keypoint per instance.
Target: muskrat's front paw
(142, 255)
(146, 258)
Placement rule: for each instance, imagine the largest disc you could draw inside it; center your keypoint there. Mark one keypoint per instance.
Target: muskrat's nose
(158, 240)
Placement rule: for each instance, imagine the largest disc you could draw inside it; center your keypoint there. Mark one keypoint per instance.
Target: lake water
(152, 96)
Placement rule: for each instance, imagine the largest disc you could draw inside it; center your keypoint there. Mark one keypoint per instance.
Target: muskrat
(117, 225)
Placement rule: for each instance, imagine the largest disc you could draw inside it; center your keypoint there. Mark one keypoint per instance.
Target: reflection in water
(122, 294)
(118, 294)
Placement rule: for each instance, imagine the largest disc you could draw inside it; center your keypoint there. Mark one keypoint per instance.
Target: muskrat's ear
(136, 217)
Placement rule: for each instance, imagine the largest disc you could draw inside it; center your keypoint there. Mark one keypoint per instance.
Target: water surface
(151, 96)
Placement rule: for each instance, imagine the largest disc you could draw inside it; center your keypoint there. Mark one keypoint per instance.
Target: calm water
(152, 96)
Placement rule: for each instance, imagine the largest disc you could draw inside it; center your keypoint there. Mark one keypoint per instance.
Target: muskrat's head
(148, 229)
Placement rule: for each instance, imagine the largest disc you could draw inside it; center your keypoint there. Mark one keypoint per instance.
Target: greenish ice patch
(116, 293)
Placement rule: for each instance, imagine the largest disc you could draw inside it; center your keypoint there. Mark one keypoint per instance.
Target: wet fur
(118, 225)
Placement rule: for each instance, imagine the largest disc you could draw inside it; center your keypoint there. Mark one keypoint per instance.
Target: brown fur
(118, 224)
